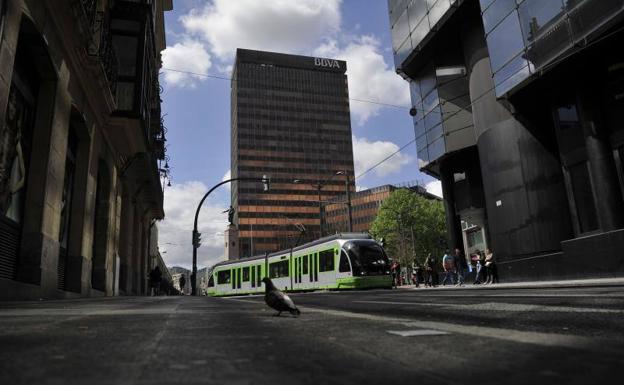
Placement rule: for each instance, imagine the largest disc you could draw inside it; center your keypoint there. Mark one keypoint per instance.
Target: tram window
(259, 275)
(223, 277)
(305, 264)
(278, 269)
(326, 260)
(253, 276)
(344, 263)
(245, 274)
(211, 281)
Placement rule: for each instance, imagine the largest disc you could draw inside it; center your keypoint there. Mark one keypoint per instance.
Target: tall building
(290, 121)
(80, 141)
(518, 108)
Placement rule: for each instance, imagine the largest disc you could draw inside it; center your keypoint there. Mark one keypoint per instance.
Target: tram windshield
(367, 258)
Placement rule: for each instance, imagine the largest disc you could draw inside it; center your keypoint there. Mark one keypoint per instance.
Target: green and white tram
(341, 261)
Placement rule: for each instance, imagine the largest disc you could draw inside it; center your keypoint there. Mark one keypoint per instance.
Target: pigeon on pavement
(278, 300)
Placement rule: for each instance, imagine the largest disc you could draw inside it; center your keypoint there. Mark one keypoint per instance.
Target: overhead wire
(544, 68)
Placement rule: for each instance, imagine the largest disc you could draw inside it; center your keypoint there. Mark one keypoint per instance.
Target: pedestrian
(393, 271)
(461, 266)
(155, 277)
(448, 264)
(490, 266)
(182, 283)
(429, 270)
(418, 274)
(477, 257)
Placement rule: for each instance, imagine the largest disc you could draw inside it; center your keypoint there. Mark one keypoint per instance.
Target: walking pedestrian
(155, 277)
(448, 264)
(461, 266)
(430, 271)
(182, 283)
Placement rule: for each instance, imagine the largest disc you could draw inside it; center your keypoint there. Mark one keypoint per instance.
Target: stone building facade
(81, 138)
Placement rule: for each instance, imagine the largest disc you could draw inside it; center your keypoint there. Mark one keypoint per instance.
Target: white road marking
(501, 306)
(419, 332)
(511, 335)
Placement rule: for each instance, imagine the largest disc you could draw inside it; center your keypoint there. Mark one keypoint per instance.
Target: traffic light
(196, 239)
(266, 182)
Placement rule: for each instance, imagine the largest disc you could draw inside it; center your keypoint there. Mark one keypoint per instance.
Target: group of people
(454, 267)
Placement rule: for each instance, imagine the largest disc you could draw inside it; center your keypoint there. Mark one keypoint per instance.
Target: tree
(411, 225)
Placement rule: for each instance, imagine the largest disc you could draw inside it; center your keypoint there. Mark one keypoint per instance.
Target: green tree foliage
(411, 225)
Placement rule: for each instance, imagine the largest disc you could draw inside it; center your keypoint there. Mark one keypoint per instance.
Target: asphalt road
(425, 336)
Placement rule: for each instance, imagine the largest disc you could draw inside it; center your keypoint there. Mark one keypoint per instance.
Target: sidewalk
(597, 282)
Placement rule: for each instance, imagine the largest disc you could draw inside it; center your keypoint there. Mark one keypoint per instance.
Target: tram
(336, 262)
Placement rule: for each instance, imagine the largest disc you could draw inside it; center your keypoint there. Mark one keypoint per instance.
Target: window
(344, 266)
(305, 264)
(253, 276)
(223, 277)
(211, 281)
(278, 269)
(326, 260)
(505, 41)
(245, 274)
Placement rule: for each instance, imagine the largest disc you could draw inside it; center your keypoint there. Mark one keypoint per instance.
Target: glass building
(291, 121)
(518, 108)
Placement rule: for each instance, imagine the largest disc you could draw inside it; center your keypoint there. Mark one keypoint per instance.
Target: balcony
(93, 29)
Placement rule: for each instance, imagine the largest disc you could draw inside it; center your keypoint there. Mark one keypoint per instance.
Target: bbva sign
(320, 62)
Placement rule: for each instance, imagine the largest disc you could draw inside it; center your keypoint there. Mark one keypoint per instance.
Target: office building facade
(290, 120)
(518, 108)
(80, 141)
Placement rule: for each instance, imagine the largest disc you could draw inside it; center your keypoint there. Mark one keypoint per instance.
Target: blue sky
(202, 37)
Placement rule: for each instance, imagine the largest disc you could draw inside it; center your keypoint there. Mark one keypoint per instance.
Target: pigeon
(278, 300)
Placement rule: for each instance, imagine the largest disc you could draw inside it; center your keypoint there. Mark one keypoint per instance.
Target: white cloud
(278, 25)
(370, 77)
(434, 187)
(175, 231)
(191, 56)
(366, 154)
(226, 176)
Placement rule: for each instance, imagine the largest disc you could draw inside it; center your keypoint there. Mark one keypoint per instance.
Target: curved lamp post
(266, 181)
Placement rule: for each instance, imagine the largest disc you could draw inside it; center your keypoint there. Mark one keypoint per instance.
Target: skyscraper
(290, 120)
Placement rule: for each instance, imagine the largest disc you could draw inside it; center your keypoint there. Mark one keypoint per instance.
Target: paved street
(425, 336)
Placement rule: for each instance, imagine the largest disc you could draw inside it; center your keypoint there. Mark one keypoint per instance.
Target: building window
(582, 192)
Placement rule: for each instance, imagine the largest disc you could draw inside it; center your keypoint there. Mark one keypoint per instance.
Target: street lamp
(346, 174)
(266, 181)
(318, 186)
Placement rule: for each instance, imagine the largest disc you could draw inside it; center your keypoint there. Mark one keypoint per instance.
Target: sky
(202, 37)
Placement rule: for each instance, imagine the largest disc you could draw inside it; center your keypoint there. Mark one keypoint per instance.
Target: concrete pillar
(453, 222)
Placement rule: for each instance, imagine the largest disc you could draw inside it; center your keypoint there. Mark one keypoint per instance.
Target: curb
(602, 282)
